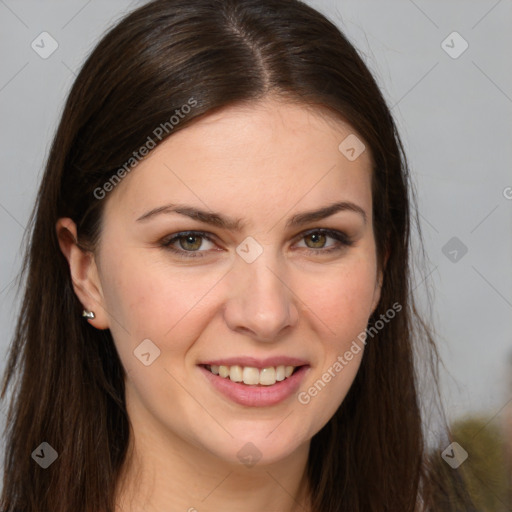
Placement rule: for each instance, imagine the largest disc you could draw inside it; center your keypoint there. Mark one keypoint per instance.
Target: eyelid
(342, 242)
(167, 242)
(339, 236)
(332, 233)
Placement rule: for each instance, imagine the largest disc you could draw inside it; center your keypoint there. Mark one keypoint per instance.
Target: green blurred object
(486, 471)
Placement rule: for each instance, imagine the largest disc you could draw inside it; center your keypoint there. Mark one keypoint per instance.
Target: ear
(84, 273)
(378, 283)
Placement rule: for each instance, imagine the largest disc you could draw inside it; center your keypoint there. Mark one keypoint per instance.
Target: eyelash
(342, 239)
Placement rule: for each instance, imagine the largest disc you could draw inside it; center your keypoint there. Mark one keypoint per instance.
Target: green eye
(318, 240)
(190, 242)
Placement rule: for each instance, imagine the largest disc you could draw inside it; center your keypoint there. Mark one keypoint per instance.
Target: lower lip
(256, 396)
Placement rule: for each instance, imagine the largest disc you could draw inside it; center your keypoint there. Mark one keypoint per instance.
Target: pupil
(318, 239)
(189, 239)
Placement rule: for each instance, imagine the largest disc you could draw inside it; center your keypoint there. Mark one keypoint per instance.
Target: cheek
(343, 305)
(342, 298)
(155, 301)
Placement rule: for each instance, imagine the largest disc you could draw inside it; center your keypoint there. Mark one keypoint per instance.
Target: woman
(217, 311)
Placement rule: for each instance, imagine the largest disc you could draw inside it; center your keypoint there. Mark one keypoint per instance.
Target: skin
(261, 163)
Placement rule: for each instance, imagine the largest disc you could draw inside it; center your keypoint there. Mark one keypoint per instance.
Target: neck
(164, 472)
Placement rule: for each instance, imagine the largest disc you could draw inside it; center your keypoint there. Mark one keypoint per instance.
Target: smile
(253, 387)
(252, 376)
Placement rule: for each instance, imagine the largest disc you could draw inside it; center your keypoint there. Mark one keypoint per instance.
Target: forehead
(265, 153)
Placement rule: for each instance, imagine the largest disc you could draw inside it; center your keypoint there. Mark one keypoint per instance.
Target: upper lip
(255, 362)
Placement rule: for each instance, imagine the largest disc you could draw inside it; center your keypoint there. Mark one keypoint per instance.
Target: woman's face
(257, 285)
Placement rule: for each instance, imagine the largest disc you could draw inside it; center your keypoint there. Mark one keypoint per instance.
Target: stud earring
(88, 314)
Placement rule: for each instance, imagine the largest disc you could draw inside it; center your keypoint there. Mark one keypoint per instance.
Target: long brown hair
(69, 392)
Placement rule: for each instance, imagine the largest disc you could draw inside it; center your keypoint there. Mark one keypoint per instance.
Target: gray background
(454, 115)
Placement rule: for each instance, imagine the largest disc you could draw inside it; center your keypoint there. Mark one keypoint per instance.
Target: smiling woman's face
(255, 284)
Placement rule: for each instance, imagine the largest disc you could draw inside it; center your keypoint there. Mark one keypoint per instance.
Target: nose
(261, 302)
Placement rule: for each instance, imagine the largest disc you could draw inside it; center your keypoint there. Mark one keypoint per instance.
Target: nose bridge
(262, 277)
(261, 301)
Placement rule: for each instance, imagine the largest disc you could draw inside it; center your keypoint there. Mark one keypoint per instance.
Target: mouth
(251, 386)
(252, 376)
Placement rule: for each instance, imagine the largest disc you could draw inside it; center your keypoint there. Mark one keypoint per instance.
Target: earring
(88, 314)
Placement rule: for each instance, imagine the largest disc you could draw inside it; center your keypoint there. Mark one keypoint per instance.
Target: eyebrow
(221, 221)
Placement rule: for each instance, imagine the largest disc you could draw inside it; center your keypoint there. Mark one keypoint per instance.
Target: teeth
(235, 373)
(253, 376)
(268, 376)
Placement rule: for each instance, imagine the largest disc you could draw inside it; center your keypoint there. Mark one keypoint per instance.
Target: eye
(188, 243)
(191, 244)
(315, 241)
